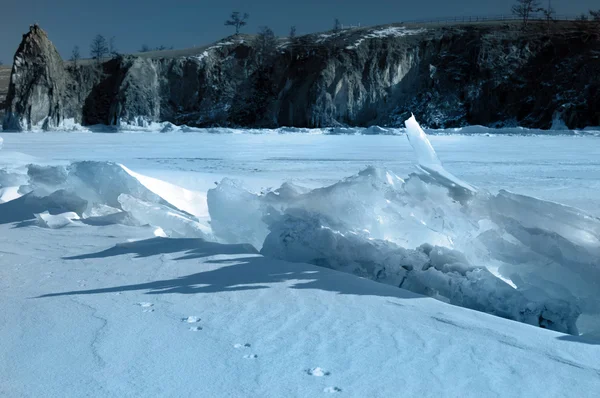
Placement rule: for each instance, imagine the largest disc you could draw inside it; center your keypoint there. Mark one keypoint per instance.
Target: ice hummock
(436, 271)
(170, 221)
(509, 255)
(100, 193)
(47, 220)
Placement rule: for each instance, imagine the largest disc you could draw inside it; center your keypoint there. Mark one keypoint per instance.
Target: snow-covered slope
(86, 313)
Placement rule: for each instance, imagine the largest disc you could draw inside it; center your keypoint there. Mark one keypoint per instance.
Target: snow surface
(105, 271)
(89, 314)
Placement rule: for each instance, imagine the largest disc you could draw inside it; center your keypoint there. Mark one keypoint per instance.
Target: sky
(184, 24)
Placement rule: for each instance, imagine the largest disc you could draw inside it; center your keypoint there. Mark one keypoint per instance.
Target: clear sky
(182, 23)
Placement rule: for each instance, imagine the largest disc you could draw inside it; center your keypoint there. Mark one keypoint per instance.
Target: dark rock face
(493, 75)
(37, 86)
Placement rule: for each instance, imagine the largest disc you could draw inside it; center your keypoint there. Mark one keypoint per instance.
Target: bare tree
(265, 45)
(112, 47)
(548, 14)
(237, 20)
(293, 32)
(144, 48)
(589, 24)
(98, 48)
(337, 25)
(525, 9)
(75, 56)
(595, 18)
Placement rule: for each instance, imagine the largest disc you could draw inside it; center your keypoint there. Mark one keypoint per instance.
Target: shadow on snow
(590, 338)
(249, 271)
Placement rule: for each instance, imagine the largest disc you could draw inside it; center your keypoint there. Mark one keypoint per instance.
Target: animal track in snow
(251, 356)
(332, 390)
(191, 319)
(317, 372)
(238, 346)
(146, 306)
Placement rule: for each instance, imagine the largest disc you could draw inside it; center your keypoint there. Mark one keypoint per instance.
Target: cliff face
(4, 80)
(448, 76)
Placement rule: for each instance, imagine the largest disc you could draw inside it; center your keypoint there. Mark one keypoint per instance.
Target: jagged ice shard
(429, 163)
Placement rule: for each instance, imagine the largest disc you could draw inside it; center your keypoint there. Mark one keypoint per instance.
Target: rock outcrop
(38, 84)
(488, 74)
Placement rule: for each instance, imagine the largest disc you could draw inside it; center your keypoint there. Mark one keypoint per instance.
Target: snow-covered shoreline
(144, 126)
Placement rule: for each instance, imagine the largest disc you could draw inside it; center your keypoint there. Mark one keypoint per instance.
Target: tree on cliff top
(98, 48)
(337, 25)
(265, 45)
(75, 56)
(548, 14)
(595, 25)
(525, 9)
(237, 21)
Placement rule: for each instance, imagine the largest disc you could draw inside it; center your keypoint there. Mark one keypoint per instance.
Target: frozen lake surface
(558, 168)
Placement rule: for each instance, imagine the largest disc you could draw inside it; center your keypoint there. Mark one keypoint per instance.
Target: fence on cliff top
(495, 18)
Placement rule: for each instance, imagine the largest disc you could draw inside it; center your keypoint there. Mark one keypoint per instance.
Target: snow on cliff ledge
(387, 32)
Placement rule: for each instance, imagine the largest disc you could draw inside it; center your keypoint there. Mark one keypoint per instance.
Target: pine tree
(98, 48)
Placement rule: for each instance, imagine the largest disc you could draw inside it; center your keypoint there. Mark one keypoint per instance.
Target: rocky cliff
(449, 76)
